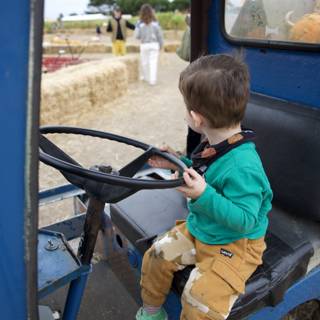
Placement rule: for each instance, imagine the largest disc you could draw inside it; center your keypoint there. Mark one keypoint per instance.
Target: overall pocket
(215, 289)
(229, 274)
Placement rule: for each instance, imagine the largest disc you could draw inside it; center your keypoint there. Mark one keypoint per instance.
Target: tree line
(133, 6)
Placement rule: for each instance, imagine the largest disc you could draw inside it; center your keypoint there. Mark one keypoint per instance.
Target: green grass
(167, 20)
(170, 20)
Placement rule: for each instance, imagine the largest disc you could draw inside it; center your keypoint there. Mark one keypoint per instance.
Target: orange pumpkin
(307, 29)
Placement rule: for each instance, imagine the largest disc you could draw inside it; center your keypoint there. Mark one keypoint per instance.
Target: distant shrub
(178, 22)
(167, 20)
(171, 20)
(51, 26)
(134, 20)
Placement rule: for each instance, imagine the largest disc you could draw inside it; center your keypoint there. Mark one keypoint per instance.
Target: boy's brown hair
(217, 87)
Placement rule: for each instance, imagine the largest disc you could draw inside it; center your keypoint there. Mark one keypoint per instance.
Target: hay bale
(132, 65)
(77, 49)
(68, 93)
(133, 48)
(171, 47)
(100, 48)
(65, 41)
(53, 48)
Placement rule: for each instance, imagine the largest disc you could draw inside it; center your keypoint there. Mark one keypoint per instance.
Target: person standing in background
(98, 31)
(184, 50)
(149, 32)
(118, 26)
(60, 22)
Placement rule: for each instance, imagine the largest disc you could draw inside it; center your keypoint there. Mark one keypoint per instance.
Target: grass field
(167, 20)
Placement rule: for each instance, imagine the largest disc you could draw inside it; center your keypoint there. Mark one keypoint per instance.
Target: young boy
(229, 199)
(118, 28)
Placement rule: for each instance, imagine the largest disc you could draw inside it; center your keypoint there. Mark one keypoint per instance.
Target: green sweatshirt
(236, 200)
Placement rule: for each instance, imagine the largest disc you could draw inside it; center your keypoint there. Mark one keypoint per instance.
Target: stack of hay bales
(68, 94)
(92, 47)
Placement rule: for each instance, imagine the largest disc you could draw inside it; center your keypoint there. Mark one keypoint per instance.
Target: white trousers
(149, 56)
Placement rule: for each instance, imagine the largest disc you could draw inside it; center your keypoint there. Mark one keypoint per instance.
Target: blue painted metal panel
(57, 264)
(286, 74)
(14, 39)
(71, 228)
(59, 193)
(304, 290)
(173, 306)
(74, 297)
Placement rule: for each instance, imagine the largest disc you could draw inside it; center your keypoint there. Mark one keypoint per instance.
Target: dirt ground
(152, 114)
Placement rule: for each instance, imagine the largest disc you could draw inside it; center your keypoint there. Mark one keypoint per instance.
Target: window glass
(277, 20)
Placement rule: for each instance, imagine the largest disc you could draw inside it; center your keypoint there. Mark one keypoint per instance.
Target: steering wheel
(112, 186)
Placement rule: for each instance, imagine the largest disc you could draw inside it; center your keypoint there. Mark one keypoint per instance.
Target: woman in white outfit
(149, 33)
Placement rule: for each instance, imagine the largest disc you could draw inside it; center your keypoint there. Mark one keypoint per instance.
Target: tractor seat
(152, 212)
(288, 141)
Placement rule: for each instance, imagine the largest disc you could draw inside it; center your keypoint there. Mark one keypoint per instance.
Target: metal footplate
(57, 263)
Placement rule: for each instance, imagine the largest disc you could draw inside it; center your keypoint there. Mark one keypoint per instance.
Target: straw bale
(69, 93)
(132, 65)
(77, 49)
(171, 47)
(65, 41)
(100, 48)
(133, 48)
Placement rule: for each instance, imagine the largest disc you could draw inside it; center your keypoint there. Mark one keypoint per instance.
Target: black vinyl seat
(150, 213)
(288, 140)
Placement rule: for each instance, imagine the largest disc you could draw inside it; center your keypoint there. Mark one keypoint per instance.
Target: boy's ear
(197, 118)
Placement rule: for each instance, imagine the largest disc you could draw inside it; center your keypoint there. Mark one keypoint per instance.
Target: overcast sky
(54, 7)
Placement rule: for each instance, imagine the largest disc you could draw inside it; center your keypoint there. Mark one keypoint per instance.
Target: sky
(52, 8)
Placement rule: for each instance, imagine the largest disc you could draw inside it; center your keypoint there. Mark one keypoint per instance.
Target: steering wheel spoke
(49, 147)
(134, 166)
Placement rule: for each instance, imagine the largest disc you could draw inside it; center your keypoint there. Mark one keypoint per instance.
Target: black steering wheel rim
(118, 180)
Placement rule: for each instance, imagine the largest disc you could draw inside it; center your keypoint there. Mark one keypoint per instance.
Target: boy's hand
(195, 184)
(159, 162)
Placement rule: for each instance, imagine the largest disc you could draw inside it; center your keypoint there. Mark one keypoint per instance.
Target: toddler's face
(117, 14)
